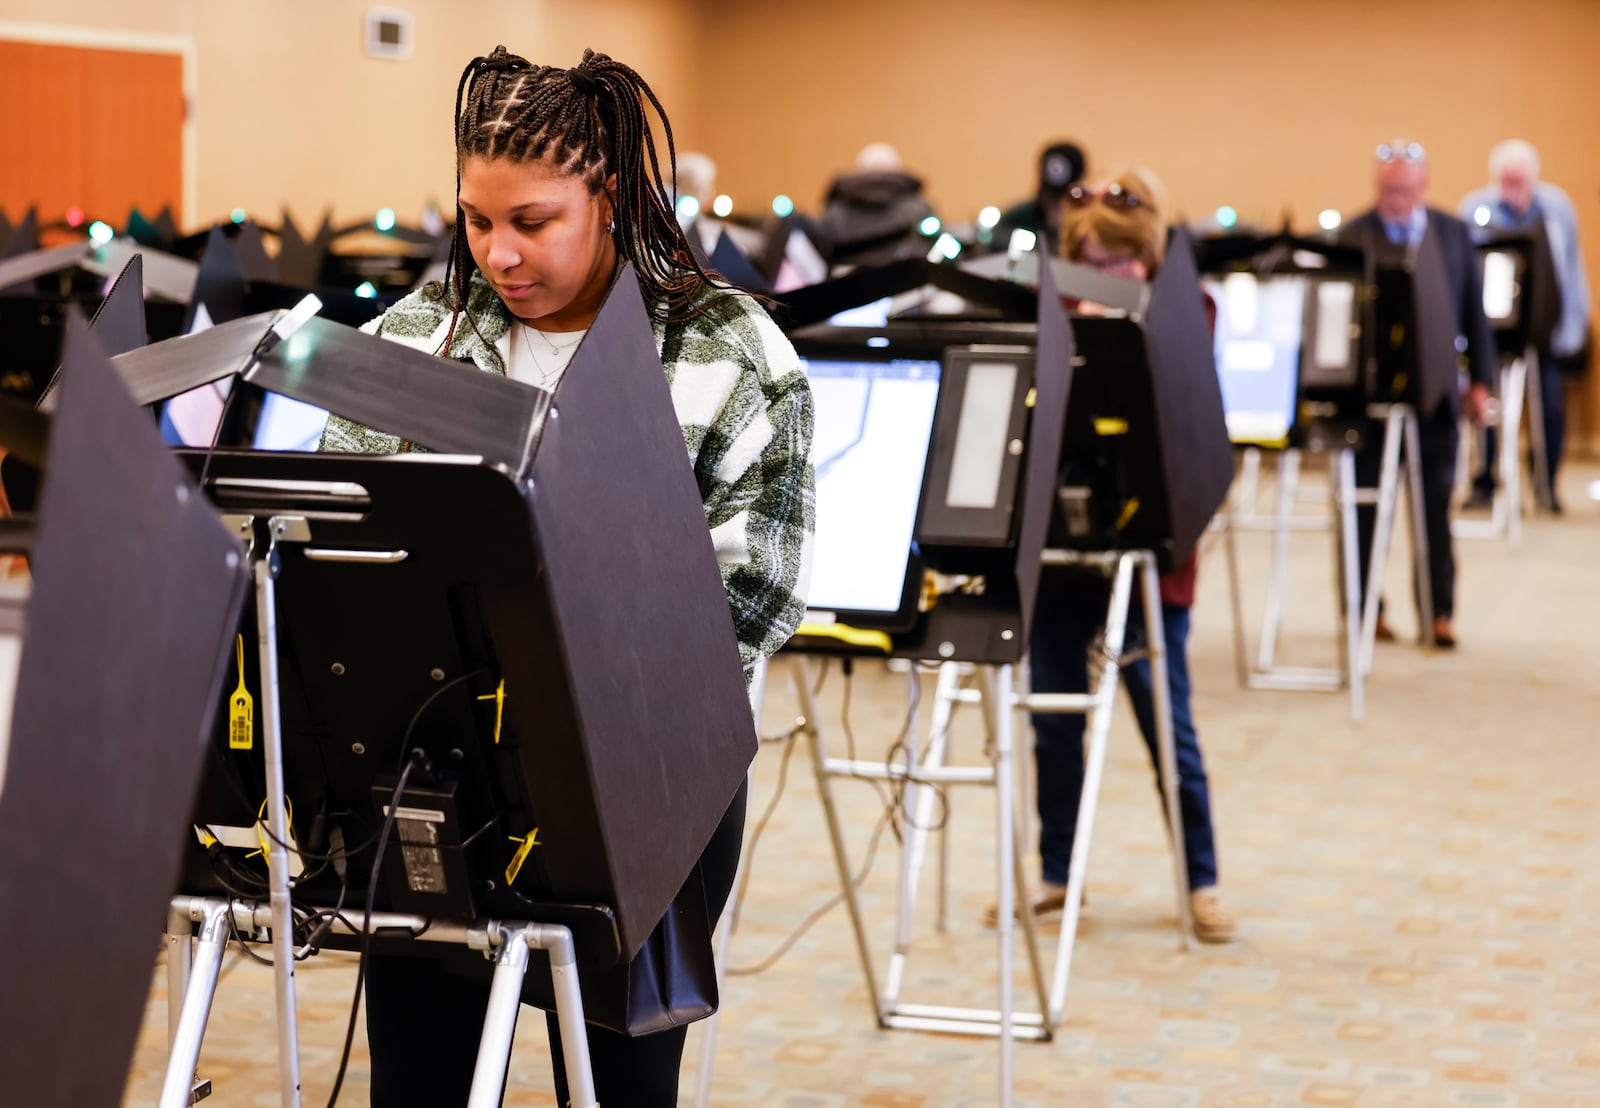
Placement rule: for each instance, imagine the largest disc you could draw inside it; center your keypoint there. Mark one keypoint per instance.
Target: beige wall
(289, 110)
(1262, 104)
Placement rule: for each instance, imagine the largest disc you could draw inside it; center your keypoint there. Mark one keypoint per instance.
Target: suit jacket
(1466, 290)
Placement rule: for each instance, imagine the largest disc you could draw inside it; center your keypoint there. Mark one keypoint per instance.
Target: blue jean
(1065, 625)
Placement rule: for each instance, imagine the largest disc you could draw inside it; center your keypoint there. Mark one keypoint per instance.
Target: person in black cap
(1061, 165)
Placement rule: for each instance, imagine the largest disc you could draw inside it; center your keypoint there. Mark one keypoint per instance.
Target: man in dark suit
(1401, 219)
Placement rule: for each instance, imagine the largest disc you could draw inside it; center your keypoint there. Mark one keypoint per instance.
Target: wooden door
(100, 130)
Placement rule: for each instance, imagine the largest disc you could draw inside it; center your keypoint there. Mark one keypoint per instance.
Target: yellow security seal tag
(241, 708)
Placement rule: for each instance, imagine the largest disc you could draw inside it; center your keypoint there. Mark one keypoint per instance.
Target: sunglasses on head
(1112, 196)
(1401, 152)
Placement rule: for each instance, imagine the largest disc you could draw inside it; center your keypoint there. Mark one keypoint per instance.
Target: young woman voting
(558, 184)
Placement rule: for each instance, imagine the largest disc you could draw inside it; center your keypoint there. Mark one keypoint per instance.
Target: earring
(611, 227)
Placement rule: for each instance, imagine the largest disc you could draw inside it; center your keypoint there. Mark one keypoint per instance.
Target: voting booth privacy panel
(118, 326)
(936, 447)
(1146, 459)
(967, 472)
(1521, 295)
(1290, 337)
(233, 276)
(537, 607)
(136, 593)
(37, 290)
(1408, 321)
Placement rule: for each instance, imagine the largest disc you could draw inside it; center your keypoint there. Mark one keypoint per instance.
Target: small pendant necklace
(546, 377)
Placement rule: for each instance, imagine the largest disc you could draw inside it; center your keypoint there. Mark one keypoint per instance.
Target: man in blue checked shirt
(1513, 200)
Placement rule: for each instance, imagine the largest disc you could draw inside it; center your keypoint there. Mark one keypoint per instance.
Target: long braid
(588, 121)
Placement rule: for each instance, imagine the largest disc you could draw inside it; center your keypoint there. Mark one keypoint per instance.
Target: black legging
(424, 1023)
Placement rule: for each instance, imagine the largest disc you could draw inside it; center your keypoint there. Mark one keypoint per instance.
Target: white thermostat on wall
(388, 33)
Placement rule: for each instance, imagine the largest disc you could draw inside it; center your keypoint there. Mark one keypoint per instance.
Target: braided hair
(588, 121)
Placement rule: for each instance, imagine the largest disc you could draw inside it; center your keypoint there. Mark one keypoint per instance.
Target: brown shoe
(1383, 632)
(1213, 923)
(1444, 635)
(1047, 902)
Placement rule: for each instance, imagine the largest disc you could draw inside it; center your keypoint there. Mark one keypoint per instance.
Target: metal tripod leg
(1027, 792)
(1000, 694)
(1513, 397)
(1417, 511)
(189, 1027)
(1003, 1022)
(1240, 508)
(1166, 740)
(1346, 562)
(1243, 502)
(278, 824)
(992, 710)
(1094, 766)
(920, 800)
(1505, 515)
(505, 1000)
(1241, 661)
(1382, 531)
(1542, 491)
(830, 810)
(1272, 619)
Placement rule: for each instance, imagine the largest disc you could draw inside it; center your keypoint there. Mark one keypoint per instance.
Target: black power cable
(417, 759)
(893, 809)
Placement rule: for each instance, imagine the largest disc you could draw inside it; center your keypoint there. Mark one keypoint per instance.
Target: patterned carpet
(1420, 913)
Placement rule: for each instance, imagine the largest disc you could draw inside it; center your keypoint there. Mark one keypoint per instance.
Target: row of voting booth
(1325, 347)
(386, 682)
(969, 429)
(36, 284)
(927, 454)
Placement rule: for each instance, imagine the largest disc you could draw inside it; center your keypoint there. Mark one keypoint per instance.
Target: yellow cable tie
(528, 841)
(1129, 509)
(261, 827)
(499, 698)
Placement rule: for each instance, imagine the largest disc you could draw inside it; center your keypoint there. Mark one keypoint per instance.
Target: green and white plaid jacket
(744, 404)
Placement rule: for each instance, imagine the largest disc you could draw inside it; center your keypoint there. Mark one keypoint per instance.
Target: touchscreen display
(873, 421)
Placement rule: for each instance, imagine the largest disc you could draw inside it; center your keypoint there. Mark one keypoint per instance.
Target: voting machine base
(193, 976)
(199, 930)
(1521, 392)
(926, 772)
(1358, 617)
